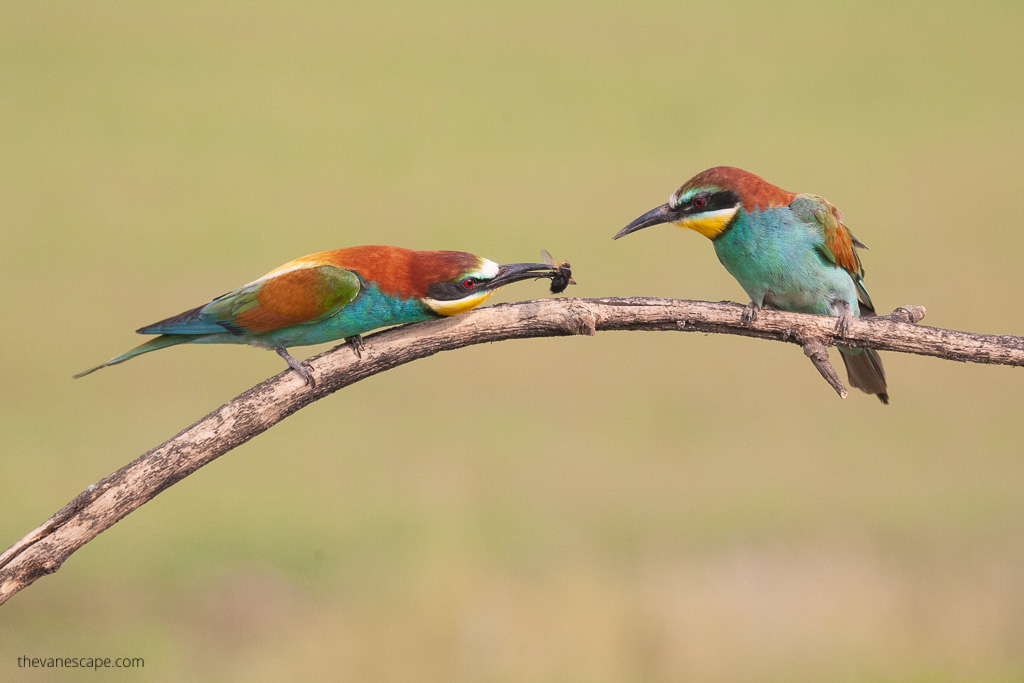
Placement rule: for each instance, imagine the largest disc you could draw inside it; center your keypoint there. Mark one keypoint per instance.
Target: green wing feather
(301, 295)
(305, 294)
(838, 245)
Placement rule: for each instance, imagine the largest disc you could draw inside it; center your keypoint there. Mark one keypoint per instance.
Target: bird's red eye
(468, 283)
(699, 202)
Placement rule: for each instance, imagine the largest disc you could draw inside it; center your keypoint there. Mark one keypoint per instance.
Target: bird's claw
(749, 314)
(301, 367)
(304, 371)
(356, 342)
(843, 324)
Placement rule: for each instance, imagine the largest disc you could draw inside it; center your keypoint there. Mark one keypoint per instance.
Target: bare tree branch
(45, 549)
(818, 353)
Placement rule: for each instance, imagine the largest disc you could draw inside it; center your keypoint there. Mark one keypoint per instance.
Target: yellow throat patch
(710, 224)
(459, 305)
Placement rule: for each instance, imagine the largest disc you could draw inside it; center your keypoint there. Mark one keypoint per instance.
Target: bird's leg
(749, 314)
(300, 367)
(845, 314)
(356, 342)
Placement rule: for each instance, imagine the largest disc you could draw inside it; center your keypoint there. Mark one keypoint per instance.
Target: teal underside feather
(369, 311)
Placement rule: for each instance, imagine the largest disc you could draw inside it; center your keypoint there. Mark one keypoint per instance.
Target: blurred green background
(631, 507)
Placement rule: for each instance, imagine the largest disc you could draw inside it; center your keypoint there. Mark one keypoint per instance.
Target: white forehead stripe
(488, 269)
(725, 213)
(679, 196)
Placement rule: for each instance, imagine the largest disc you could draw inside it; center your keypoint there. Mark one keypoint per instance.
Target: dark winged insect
(563, 275)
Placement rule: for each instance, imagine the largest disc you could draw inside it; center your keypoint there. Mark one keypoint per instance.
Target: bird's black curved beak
(514, 272)
(663, 214)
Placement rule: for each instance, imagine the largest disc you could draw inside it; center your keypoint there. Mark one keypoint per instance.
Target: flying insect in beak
(560, 274)
(563, 272)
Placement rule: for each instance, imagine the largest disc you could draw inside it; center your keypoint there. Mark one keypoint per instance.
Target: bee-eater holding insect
(338, 294)
(789, 251)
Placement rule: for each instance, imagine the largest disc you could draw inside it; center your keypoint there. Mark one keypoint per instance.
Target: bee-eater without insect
(337, 294)
(789, 251)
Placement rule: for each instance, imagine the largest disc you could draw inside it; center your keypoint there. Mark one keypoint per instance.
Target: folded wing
(839, 245)
(286, 297)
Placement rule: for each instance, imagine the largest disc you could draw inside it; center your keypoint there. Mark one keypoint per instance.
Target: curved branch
(45, 549)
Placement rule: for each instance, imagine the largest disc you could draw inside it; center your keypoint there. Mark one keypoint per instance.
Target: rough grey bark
(45, 549)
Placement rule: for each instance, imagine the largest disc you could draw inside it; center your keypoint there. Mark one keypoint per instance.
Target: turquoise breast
(776, 258)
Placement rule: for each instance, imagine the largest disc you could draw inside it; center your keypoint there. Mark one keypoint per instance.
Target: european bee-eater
(789, 251)
(335, 294)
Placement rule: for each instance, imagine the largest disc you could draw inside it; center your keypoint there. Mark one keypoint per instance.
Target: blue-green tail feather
(161, 342)
(189, 322)
(864, 368)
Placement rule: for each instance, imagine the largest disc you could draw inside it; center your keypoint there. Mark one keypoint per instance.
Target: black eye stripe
(453, 291)
(713, 201)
